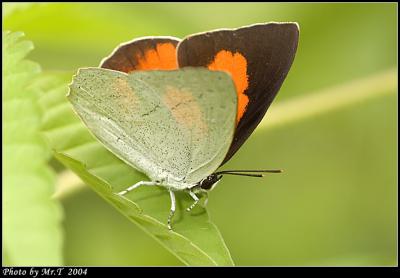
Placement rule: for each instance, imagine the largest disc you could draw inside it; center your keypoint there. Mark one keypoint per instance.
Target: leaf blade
(32, 220)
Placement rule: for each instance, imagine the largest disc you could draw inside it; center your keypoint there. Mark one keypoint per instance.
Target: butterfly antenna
(245, 172)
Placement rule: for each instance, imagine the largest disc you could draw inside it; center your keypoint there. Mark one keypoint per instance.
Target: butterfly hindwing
(148, 53)
(258, 58)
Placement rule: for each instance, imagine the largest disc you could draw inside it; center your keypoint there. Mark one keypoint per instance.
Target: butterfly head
(209, 182)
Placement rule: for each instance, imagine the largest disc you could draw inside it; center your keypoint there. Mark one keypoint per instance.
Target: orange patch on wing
(236, 65)
(125, 95)
(185, 110)
(162, 58)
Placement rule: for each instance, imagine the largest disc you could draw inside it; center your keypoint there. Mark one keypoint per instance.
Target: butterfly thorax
(173, 183)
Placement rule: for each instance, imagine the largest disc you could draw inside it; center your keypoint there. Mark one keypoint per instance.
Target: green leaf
(195, 240)
(32, 220)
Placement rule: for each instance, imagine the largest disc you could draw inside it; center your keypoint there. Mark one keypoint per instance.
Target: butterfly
(177, 110)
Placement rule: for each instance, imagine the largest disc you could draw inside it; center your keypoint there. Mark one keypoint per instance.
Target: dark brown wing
(148, 53)
(258, 58)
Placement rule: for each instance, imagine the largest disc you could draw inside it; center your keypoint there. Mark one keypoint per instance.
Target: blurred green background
(336, 202)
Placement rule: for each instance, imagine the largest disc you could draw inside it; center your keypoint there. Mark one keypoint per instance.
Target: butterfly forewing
(258, 58)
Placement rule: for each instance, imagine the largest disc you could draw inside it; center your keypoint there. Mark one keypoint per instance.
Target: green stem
(299, 108)
(326, 100)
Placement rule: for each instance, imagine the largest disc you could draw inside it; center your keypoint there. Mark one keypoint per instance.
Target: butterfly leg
(136, 185)
(196, 200)
(172, 211)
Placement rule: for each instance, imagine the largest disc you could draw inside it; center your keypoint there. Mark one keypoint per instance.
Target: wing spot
(163, 58)
(236, 65)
